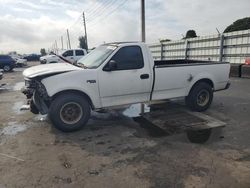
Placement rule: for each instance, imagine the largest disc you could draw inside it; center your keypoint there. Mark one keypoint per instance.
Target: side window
(129, 58)
(68, 53)
(79, 53)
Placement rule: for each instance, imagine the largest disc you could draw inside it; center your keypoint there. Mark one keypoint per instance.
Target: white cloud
(25, 35)
(21, 9)
(73, 14)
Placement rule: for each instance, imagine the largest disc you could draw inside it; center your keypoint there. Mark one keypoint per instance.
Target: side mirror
(111, 65)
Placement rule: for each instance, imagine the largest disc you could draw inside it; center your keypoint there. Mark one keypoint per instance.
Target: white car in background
(20, 62)
(70, 56)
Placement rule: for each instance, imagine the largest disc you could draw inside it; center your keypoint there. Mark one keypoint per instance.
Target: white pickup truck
(119, 74)
(70, 56)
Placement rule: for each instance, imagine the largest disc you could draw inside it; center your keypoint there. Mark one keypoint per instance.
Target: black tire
(199, 136)
(7, 68)
(200, 97)
(63, 109)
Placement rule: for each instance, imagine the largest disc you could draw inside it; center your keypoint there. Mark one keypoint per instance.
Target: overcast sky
(28, 25)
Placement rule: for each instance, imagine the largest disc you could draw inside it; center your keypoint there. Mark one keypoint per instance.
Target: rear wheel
(200, 97)
(69, 112)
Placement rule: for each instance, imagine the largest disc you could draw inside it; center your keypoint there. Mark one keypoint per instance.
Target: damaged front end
(37, 96)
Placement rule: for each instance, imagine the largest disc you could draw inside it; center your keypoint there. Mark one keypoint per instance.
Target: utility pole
(67, 44)
(85, 30)
(53, 47)
(68, 39)
(56, 47)
(143, 33)
(218, 30)
(143, 39)
(62, 41)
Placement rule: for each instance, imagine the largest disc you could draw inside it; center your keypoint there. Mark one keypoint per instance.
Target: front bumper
(37, 96)
(226, 87)
(43, 61)
(40, 103)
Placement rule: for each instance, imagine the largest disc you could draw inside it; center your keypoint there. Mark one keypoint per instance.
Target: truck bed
(174, 78)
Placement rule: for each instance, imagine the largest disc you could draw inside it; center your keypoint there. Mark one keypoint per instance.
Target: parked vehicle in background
(32, 57)
(20, 62)
(119, 74)
(7, 63)
(71, 56)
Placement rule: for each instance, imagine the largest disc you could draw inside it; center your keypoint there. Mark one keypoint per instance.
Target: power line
(101, 7)
(98, 13)
(80, 16)
(91, 26)
(104, 16)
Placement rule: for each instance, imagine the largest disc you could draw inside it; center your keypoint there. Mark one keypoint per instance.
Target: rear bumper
(226, 87)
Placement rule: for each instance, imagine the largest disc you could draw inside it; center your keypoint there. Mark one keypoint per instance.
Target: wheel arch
(204, 80)
(70, 91)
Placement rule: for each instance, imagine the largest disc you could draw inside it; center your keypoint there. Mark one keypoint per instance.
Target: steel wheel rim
(203, 98)
(71, 113)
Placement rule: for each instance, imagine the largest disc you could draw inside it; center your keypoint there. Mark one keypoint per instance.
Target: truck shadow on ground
(113, 132)
(132, 142)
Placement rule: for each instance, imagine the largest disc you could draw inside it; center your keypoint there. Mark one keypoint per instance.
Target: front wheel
(69, 112)
(200, 97)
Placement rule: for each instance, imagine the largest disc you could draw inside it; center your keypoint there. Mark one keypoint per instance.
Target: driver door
(129, 82)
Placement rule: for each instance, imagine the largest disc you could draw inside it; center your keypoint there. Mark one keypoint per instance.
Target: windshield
(96, 57)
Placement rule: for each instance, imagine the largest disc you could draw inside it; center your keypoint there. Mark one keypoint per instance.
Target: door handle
(144, 76)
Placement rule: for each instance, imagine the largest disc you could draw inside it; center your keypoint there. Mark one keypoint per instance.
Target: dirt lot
(115, 151)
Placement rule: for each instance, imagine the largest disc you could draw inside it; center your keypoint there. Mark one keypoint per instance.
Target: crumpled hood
(41, 70)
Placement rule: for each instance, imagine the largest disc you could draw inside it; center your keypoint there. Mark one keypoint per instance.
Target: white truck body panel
(171, 82)
(66, 82)
(125, 86)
